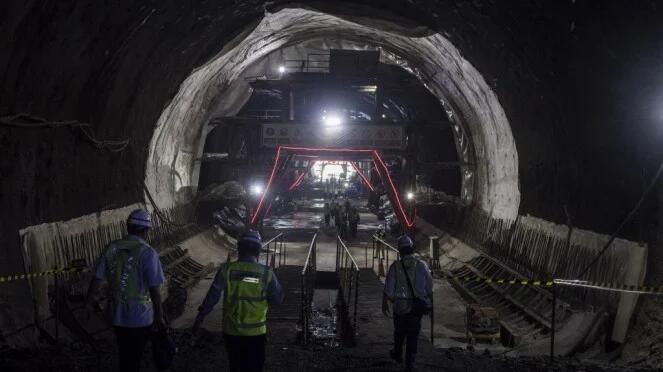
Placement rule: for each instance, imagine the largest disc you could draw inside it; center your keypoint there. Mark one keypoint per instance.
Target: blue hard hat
(405, 242)
(251, 237)
(140, 217)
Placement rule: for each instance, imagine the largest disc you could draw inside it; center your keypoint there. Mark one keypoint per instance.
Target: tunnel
(518, 145)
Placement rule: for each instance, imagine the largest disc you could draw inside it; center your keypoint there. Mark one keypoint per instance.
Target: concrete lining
(432, 58)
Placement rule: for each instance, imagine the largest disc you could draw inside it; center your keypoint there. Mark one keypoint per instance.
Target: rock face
(579, 81)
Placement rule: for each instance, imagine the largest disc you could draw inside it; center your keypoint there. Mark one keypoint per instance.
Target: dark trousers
(245, 353)
(130, 345)
(407, 327)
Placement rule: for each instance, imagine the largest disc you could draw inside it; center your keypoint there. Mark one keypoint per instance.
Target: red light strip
(362, 175)
(269, 208)
(378, 160)
(297, 182)
(269, 184)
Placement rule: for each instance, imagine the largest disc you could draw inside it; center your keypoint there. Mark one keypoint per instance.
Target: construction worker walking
(409, 287)
(134, 275)
(353, 222)
(247, 288)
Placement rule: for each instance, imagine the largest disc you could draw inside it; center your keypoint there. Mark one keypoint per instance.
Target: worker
(333, 208)
(342, 224)
(247, 288)
(327, 212)
(409, 287)
(134, 275)
(353, 221)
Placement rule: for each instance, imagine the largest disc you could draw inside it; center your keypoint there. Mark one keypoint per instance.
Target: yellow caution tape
(43, 273)
(502, 281)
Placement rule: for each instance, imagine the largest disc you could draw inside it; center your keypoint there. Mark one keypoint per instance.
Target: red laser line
(269, 208)
(362, 175)
(408, 223)
(376, 159)
(297, 182)
(269, 184)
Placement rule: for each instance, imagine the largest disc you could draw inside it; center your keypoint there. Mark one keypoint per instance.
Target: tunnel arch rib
(171, 174)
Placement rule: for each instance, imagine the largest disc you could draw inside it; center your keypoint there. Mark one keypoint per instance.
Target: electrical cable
(626, 220)
(26, 121)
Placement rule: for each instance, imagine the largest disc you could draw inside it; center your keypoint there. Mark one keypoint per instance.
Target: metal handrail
(381, 251)
(308, 289)
(279, 248)
(348, 273)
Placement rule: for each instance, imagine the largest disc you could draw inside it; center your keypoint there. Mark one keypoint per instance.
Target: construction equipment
(481, 324)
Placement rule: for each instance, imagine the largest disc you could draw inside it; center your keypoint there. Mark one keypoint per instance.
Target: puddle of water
(324, 318)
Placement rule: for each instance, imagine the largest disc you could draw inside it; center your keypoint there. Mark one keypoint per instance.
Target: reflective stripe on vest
(123, 272)
(402, 289)
(245, 303)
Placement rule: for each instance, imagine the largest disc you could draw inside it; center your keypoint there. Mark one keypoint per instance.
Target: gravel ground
(206, 353)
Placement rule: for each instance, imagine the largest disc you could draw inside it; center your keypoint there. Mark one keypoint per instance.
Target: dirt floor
(205, 352)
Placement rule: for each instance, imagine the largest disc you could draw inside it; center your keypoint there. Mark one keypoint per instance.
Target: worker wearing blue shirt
(407, 279)
(134, 275)
(248, 287)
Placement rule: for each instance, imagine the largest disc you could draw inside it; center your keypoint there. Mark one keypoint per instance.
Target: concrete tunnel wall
(180, 130)
(578, 81)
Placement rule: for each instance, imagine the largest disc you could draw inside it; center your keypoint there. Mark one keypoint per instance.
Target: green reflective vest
(245, 302)
(123, 272)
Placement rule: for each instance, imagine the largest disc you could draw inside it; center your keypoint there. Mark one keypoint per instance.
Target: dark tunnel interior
(520, 141)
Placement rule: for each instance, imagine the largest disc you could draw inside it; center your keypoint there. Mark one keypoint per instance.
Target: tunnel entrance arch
(171, 171)
(282, 162)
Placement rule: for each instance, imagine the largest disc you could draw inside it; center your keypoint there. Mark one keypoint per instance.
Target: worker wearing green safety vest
(248, 288)
(134, 275)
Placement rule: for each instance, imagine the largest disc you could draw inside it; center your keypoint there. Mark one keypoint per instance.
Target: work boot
(396, 356)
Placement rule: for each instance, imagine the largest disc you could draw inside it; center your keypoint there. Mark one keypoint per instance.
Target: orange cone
(381, 268)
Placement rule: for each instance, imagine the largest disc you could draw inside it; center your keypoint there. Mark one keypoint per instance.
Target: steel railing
(307, 290)
(314, 62)
(275, 251)
(348, 275)
(383, 253)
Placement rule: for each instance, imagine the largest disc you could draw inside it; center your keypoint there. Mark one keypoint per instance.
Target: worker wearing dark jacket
(397, 290)
(353, 222)
(247, 288)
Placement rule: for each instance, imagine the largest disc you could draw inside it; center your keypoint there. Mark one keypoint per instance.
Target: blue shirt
(134, 314)
(422, 283)
(274, 291)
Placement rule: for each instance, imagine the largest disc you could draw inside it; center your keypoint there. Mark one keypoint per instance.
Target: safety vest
(245, 302)
(402, 289)
(123, 272)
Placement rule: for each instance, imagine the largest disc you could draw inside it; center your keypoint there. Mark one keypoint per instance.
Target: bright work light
(256, 189)
(331, 120)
